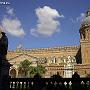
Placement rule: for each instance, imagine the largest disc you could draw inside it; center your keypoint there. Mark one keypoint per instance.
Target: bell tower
(85, 39)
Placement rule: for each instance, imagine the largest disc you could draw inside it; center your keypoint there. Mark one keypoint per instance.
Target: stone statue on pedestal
(3, 48)
(4, 64)
(3, 45)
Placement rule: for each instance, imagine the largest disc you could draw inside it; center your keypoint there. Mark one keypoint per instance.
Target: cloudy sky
(42, 23)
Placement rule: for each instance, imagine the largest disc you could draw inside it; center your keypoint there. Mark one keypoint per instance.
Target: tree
(40, 70)
(24, 67)
(34, 70)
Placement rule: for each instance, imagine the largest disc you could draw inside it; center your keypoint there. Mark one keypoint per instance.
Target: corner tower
(85, 39)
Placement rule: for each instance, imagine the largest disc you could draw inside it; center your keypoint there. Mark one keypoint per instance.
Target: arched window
(53, 59)
(13, 73)
(64, 59)
(84, 35)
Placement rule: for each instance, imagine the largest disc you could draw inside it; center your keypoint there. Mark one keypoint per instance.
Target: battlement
(43, 50)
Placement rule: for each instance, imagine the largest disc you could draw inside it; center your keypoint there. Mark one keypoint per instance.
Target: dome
(86, 20)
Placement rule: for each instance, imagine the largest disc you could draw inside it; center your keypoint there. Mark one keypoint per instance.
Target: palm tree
(24, 67)
(40, 70)
(34, 70)
(27, 70)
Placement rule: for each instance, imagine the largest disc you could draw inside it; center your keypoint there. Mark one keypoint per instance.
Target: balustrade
(49, 84)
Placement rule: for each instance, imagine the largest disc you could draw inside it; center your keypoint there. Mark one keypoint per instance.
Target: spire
(88, 13)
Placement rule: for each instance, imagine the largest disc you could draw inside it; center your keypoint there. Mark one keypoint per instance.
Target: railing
(49, 84)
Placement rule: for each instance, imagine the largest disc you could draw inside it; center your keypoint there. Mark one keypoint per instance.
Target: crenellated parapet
(49, 50)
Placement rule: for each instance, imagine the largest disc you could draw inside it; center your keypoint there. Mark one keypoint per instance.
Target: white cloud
(47, 22)
(10, 11)
(12, 24)
(81, 17)
(62, 16)
(73, 20)
(78, 19)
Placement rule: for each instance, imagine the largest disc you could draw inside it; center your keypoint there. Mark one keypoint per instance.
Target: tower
(85, 39)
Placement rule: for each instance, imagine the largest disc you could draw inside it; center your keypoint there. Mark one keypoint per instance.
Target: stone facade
(65, 60)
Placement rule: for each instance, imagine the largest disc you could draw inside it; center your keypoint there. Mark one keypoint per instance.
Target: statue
(3, 45)
(4, 64)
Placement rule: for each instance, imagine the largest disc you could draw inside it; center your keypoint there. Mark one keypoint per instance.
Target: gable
(16, 60)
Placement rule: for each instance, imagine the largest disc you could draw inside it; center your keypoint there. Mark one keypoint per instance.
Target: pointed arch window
(53, 59)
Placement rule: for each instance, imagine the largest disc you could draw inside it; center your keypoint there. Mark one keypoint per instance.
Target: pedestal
(4, 75)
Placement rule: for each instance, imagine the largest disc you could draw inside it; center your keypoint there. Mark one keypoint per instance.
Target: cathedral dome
(86, 20)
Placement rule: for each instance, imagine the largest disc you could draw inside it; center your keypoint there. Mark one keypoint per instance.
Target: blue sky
(42, 23)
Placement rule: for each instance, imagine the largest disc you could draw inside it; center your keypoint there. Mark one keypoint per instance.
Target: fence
(48, 84)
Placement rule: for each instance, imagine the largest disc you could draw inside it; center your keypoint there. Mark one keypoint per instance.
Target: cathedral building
(66, 59)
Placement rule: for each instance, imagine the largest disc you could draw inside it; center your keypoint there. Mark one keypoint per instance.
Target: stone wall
(52, 58)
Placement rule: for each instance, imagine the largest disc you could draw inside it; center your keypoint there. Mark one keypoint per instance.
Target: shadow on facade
(78, 56)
